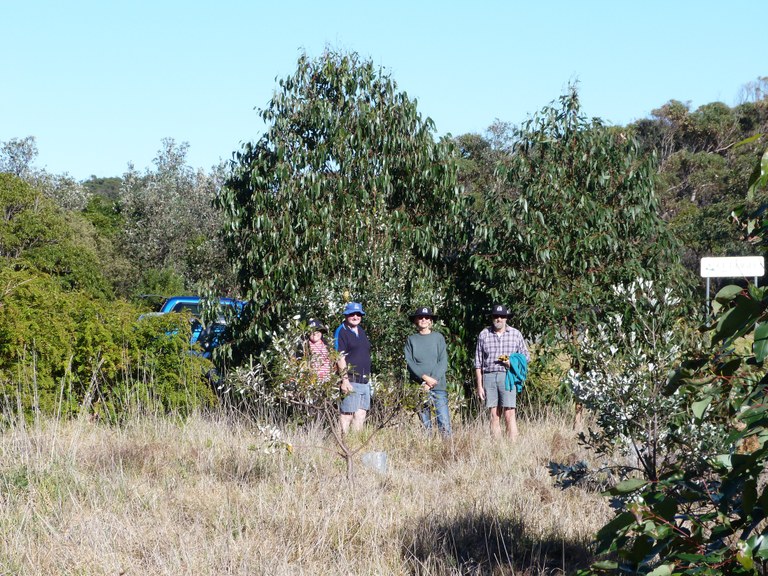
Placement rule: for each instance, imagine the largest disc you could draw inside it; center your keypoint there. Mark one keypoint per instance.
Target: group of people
(501, 355)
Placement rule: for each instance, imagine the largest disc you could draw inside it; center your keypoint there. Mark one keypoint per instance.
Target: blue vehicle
(207, 337)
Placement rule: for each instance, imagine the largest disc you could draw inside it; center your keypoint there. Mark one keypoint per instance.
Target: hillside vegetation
(590, 233)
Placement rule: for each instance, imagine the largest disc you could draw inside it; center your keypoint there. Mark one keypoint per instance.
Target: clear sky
(99, 83)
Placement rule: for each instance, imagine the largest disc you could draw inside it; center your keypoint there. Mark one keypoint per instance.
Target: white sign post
(732, 267)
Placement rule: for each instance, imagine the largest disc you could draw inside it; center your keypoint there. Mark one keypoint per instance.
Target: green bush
(35, 234)
(63, 351)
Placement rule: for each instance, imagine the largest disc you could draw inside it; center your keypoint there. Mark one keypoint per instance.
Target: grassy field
(201, 496)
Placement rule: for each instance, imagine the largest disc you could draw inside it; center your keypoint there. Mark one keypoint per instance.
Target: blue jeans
(437, 402)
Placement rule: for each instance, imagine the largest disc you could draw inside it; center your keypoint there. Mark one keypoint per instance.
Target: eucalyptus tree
(17, 155)
(702, 173)
(170, 232)
(346, 195)
(579, 215)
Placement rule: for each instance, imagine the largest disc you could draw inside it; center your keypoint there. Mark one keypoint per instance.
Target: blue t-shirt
(357, 351)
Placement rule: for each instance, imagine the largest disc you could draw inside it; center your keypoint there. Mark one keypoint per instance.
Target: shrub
(624, 366)
(63, 350)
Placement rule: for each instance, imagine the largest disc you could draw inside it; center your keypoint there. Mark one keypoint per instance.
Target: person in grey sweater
(426, 356)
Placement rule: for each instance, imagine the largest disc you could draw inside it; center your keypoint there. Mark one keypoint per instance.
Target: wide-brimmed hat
(422, 311)
(316, 326)
(352, 308)
(499, 310)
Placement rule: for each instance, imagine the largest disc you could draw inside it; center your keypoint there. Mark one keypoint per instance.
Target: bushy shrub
(625, 363)
(706, 510)
(545, 388)
(63, 351)
(35, 233)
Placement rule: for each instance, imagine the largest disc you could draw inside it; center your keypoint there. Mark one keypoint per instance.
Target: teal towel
(517, 373)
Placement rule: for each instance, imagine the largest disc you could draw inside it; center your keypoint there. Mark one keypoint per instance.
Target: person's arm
(479, 381)
(345, 386)
(479, 368)
(414, 368)
(340, 345)
(442, 359)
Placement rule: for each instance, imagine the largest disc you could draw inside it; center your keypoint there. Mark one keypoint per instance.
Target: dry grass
(162, 496)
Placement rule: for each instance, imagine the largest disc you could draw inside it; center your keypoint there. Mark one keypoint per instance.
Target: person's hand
(481, 393)
(346, 386)
(430, 382)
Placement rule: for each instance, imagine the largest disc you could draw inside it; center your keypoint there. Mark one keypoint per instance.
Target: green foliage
(65, 351)
(29, 221)
(702, 174)
(759, 177)
(36, 234)
(580, 215)
(103, 213)
(624, 364)
(704, 512)
(162, 371)
(346, 196)
(479, 158)
(106, 189)
(170, 225)
(156, 284)
(546, 387)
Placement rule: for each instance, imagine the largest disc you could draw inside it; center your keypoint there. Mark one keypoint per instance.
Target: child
(316, 347)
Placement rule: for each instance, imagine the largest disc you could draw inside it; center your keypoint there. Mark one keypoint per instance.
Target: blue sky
(101, 83)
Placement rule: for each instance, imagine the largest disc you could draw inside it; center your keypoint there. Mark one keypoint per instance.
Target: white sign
(733, 267)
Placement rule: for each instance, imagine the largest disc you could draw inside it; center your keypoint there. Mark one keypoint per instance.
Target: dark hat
(422, 311)
(316, 326)
(499, 310)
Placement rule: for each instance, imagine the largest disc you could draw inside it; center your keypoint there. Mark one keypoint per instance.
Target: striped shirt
(491, 345)
(320, 360)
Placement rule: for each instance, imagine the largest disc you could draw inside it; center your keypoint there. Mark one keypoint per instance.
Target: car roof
(173, 301)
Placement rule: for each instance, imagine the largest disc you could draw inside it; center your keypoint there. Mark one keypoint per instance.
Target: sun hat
(316, 326)
(422, 311)
(499, 310)
(352, 308)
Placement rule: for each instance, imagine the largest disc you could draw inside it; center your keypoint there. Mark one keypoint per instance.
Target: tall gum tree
(579, 215)
(346, 195)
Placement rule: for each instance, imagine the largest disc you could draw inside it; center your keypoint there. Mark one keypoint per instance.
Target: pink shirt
(321, 362)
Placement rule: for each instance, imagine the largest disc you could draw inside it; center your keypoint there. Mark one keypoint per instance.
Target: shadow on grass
(482, 544)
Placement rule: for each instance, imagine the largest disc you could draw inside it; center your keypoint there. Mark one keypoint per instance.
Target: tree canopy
(346, 196)
(579, 214)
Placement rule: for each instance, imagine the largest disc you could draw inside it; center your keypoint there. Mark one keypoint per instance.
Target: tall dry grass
(159, 495)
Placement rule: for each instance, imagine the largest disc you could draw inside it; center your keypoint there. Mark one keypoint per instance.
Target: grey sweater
(427, 354)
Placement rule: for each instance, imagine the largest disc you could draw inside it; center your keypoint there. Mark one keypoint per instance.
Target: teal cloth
(517, 373)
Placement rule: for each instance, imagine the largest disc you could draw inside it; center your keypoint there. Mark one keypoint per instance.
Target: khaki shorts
(495, 391)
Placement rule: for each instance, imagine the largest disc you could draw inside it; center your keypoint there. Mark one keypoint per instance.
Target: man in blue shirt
(355, 368)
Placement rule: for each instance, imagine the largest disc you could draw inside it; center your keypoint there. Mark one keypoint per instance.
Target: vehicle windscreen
(193, 308)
